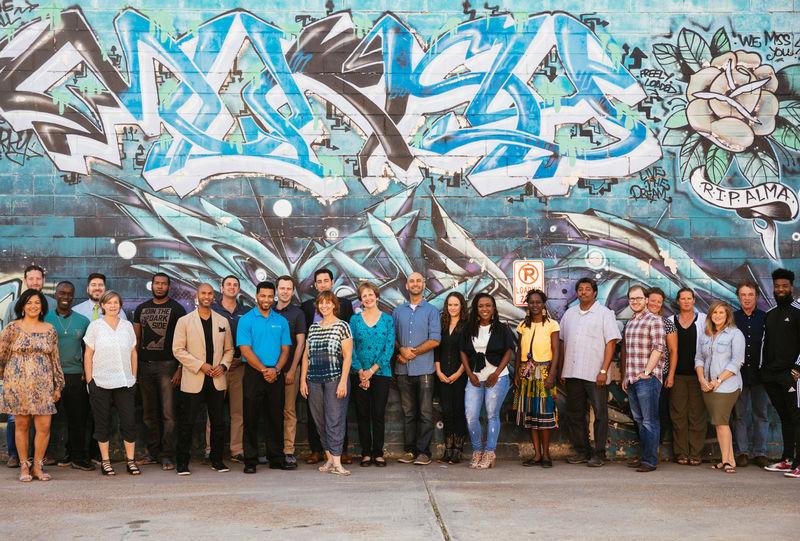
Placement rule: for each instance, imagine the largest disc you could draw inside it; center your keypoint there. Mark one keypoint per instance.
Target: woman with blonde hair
(110, 364)
(719, 357)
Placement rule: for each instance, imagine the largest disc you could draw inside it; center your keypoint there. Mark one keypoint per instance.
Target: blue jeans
(753, 399)
(474, 400)
(643, 397)
(11, 442)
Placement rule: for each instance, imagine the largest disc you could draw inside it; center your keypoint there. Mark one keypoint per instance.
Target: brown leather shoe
(347, 459)
(313, 458)
(741, 461)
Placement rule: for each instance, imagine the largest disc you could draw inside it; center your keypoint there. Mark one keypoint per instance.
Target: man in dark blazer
(323, 281)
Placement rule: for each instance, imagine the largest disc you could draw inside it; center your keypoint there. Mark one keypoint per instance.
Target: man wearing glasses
(642, 367)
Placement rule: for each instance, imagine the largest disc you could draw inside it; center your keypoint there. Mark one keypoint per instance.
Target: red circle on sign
(528, 273)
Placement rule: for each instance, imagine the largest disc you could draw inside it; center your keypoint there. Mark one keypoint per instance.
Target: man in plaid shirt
(642, 366)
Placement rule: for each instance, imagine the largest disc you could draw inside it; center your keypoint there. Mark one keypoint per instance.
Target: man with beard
(264, 340)
(417, 326)
(95, 289)
(203, 344)
(154, 324)
(780, 369)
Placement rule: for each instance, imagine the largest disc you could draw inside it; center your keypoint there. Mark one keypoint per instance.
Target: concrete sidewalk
(404, 502)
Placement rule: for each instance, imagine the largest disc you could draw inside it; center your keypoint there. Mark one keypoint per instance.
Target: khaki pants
(290, 414)
(688, 414)
(235, 406)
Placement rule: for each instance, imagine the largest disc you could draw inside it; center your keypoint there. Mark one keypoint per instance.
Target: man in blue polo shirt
(264, 340)
(418, 330)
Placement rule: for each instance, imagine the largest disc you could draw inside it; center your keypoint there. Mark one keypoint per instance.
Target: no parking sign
(528, 274)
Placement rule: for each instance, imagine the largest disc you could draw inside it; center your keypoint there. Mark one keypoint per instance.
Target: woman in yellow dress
(536, 369)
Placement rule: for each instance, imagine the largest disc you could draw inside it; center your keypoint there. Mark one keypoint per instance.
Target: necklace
(58, 320)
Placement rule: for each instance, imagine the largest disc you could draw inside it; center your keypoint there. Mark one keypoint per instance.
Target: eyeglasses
(636, 298)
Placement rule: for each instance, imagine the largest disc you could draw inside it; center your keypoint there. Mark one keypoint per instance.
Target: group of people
(84, 361)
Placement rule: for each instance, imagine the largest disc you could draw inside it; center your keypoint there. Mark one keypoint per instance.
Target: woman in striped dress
(537, 366)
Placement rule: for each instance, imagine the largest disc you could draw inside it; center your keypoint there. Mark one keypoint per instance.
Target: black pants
(158, 406)
(124, 398)
(191, 403)
(451, 399)
(371, 412)
(785, 403)
(580, 394)
(416, 400)
(314, 443)
(262, 398)
(74, 408)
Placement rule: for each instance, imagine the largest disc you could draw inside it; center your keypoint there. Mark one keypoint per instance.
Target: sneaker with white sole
(407, 458)
(782, 466)
(422, 460)
(794, 474)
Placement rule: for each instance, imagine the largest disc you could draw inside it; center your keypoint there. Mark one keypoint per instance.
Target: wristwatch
(646, 373)
(603, 371)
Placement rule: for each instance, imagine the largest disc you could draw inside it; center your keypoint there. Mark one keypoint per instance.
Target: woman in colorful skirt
(537, 366)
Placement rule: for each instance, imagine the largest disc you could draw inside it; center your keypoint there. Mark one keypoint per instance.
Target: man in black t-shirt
(154, 323)
(780, 368)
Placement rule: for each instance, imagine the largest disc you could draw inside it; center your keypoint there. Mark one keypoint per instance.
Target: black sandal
(366, 460)
(379, 461)
(106, 469)
(133, 469)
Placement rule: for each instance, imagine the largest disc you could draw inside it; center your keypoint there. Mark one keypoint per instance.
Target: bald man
(417, 330)
(203, 346)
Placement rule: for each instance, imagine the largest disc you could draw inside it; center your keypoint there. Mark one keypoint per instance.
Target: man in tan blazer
(204, 346)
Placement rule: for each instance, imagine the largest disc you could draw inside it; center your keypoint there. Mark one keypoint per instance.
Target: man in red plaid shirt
(642, 366)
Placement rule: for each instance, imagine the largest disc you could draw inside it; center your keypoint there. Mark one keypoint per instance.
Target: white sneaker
(782, 466)
(794, 474)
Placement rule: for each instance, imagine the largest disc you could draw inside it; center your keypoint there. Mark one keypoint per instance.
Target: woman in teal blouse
(371, 372)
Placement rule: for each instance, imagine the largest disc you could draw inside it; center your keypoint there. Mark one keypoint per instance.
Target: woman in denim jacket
(719, 358)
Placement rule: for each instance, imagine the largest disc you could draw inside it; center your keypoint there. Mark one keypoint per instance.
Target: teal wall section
(633, 141)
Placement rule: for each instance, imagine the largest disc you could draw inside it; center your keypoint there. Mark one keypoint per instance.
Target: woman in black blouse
(452, 379)
(487, 345)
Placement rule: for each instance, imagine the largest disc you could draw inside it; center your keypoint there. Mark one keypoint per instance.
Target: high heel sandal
(132, 468)
(338, 469)
(106, 469)
(476, 459)
(25, 471)
(42, 475)
(487, 461)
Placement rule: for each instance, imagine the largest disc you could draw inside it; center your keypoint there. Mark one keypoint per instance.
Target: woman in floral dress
(33, 380)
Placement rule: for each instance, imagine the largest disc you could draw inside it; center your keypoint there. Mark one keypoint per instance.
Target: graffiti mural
(378, 139)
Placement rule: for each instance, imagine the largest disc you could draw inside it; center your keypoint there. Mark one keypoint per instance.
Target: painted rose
(732, 101)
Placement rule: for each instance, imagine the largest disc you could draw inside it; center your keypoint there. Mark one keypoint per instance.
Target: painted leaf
(674, 138)
(677, 120)
(694, 49)
(788, 81)
(758, 165)
(717, 162)
(668, 56)
(693, 155)
(720, 43)
(787, 136)
(790, 110)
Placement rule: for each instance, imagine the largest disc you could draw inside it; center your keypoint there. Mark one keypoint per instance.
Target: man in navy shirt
(753, 400)
(264, 340)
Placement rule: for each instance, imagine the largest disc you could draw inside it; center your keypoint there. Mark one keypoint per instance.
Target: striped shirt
(325, 351)
(644, 334)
